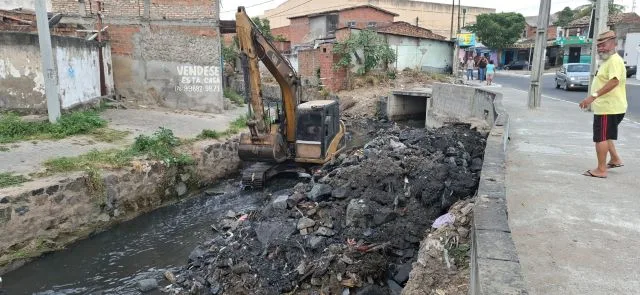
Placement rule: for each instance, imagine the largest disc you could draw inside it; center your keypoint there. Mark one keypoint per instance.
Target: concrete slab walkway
(574, 234)
(28, 156)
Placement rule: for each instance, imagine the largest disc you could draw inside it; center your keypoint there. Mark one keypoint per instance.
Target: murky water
(113, 262)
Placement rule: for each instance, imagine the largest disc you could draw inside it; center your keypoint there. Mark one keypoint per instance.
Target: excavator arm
(255, 46)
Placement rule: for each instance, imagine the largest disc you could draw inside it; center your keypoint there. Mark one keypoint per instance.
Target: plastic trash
(444, 220)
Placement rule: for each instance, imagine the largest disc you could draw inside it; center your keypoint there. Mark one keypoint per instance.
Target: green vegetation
(8, 179)
(375, 49)
(264, 26)
(161, 146)
(13, 128)
(460, 254)
(208, 133)
(234, 127)
(564, 17)
(109, 135)
(498, 30)
(234, 96)
(230, 54)
(111, 158)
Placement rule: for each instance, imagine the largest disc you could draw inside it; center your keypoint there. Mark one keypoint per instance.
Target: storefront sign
(467, 39)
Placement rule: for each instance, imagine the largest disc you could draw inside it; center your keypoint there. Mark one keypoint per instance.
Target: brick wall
(122, 39)
(159, 9)
(298, 29)
(551, 32)
(362, 16)
(170, 59)
(282, 31)
(183, 9)
(310, 60)
(407, 29)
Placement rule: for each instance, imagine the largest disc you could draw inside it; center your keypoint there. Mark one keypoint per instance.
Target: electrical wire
(254, 5)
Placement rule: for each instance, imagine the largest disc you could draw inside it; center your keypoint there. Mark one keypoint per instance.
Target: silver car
(573, 76)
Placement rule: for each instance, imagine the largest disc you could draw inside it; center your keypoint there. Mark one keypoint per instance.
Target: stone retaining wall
(50, 213)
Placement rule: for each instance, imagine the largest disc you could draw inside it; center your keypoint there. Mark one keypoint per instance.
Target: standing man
(609, 104)
(482, 67)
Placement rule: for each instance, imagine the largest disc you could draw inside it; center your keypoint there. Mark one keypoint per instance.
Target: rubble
(354, 228)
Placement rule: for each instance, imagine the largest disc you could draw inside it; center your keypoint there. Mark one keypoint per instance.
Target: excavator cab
(319, 132)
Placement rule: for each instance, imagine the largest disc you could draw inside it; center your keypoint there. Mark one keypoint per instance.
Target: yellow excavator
(285, 137)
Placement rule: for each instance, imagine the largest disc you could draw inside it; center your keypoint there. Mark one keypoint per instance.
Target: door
(574, 54)
(508, 57)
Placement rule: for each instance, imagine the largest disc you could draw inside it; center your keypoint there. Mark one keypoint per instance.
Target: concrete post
(600, 25)
(49, 70)
(538, 56)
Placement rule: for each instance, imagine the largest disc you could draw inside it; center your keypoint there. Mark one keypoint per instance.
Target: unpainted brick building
(165, 52)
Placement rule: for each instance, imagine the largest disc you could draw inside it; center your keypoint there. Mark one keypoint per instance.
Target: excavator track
(255, 176)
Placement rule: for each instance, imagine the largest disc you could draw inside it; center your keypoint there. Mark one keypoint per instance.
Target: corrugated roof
(625, 18)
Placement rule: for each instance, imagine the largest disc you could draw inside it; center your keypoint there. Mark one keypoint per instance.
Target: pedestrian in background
(609, 104)
(491, 71)
(482, 68)
(470, 65)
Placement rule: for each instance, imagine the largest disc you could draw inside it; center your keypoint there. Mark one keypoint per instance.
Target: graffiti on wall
(199, 79)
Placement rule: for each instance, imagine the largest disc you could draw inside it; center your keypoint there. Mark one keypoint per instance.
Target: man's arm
(611, 84)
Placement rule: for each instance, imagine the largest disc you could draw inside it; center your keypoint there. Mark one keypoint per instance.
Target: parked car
(573, 76)
(517, 65)
(631, 70)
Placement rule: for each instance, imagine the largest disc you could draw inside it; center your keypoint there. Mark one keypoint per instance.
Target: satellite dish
(54, 20)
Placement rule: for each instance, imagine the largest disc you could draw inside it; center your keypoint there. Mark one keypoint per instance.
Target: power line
(303, 3)
(254, 5)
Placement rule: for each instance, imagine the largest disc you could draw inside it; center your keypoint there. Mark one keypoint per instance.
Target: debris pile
(354, 228)
(442, 254)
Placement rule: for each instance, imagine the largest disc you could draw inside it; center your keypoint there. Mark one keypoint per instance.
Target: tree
(565, 17)
(498, 30)
(264, 26)
(374, 48)
(585, 10)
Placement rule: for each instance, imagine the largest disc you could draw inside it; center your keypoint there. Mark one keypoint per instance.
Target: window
(371, 25)
(351, 24)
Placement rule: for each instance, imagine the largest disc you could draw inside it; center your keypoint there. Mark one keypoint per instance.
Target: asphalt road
(549, 89)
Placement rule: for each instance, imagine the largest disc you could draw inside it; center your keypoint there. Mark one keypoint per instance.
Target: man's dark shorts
(605, 127)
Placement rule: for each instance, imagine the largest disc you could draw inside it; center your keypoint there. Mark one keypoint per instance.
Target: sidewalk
(574, 234)
(28, 156)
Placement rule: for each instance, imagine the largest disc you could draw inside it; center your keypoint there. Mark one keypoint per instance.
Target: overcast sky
(526, 7)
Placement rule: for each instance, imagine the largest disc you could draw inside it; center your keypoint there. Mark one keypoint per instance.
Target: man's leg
(602, 145)
(602, 148)
(615, 158)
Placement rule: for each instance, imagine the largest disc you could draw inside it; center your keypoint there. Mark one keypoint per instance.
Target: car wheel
(557, 84)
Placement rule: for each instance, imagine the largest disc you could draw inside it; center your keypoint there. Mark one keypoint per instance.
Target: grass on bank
(161, 146)
(8, 179)
(13, 128)
(234, 127)
(234, 97)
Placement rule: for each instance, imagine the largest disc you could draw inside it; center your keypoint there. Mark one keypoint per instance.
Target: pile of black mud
(353, 228)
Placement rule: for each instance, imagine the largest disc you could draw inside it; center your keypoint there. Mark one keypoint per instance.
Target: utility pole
(453, 7)
(459, 16)
(599, 26)
(49, 70)
(538, 56)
